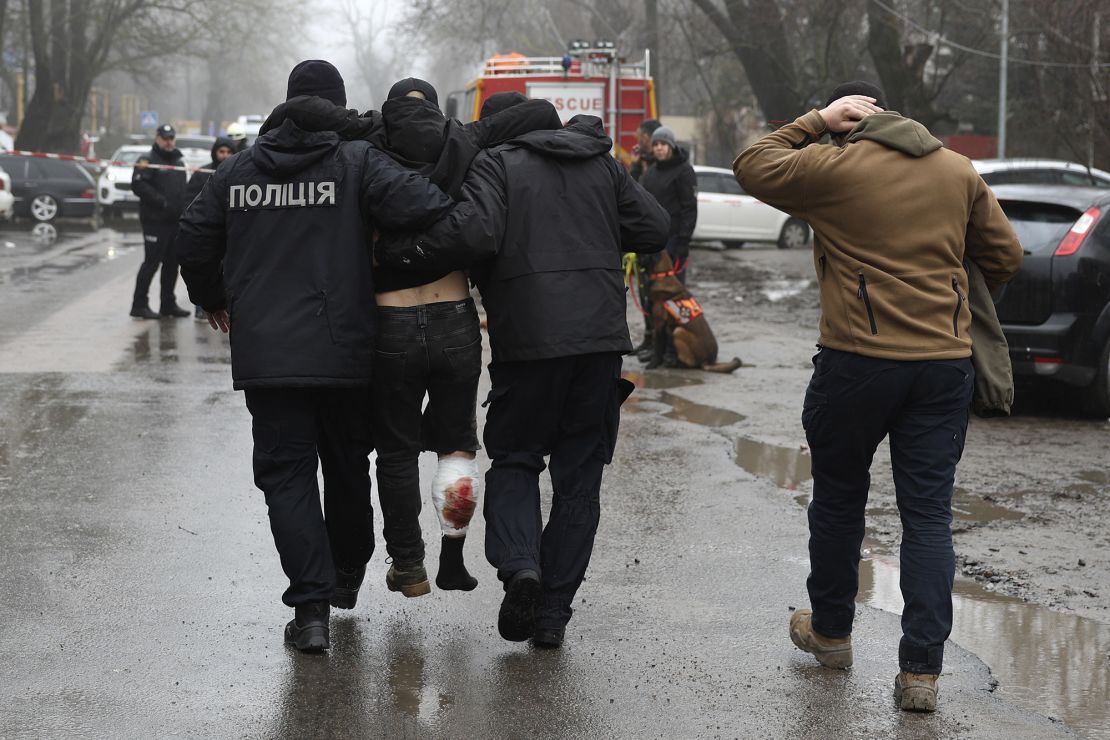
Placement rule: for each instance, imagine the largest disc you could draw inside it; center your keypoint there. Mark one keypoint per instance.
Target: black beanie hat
(404, 87)
(317, 77)
(648, 125)
(500, 101)
(858, 87)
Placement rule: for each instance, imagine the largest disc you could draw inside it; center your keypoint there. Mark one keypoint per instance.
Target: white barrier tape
(106, 162)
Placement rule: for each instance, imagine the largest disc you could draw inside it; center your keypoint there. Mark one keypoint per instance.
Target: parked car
(196, 149)
(1039, 172)
(7, 200)
(114, 186)
(728, 214)
(46, 189)
(1056, 311)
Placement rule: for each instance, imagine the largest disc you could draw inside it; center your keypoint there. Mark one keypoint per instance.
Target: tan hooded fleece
(894, 215)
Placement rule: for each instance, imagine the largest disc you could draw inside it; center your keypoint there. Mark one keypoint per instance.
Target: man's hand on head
(843, 114)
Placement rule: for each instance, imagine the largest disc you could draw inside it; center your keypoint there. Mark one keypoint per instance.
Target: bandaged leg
(455, 491)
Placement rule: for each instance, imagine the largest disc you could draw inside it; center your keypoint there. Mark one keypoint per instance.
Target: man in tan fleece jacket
(894, 217)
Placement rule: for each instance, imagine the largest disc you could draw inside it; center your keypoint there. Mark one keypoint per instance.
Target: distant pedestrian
(161, 200)
(894, 215)
(221, 150)
(642, 156)
(673, 183)
(275, 248)
(237, 134)
(553, 291)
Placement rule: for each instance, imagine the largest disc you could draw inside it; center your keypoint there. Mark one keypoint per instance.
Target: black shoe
(200, 314)
(645, 346)
(549, 637)
(143, 312)
(173, 312)
(644, 355)
(453, 575)
(347, 584)
(308, 630)
(516, 621)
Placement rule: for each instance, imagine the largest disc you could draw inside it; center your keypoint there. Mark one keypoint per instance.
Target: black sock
(453, 575)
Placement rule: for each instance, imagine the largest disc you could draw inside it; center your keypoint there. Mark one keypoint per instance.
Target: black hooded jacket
(674, 184)
(279, 237)
(198, 178)
(553, 283)
(161, 192)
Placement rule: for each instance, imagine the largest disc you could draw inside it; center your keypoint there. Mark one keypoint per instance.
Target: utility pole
(1002, 64)
(1095, 90)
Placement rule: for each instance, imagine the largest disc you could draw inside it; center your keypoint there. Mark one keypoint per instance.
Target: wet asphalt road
(141, 587)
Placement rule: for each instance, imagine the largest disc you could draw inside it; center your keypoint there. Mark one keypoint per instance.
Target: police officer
(277, 242)
(161, 200)
(553, 291)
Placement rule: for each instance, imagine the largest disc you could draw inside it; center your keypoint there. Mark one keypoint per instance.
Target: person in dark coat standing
(673, 183)
(221, 149)
(161, 200)
(277, 242)
(554, 296)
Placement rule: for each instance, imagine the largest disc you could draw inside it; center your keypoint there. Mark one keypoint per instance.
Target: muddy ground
(1032, 508)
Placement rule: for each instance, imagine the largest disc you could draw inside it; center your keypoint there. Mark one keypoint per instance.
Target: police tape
(104, 162)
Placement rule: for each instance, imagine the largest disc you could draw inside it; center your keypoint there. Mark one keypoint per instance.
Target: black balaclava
(317, 77)
(403, 87)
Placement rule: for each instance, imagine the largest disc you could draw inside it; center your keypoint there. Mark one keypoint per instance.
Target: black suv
(1056, 311)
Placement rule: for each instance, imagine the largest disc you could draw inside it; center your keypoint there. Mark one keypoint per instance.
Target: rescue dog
(681, 333)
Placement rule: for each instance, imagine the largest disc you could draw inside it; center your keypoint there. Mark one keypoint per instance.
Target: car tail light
(3, 186)
(89, 194)
(1073, 240)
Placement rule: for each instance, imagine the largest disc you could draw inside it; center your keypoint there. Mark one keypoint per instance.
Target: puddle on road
(1047, 661)
(662, 379)
(967, 507)
(788, 467)
(697, 413)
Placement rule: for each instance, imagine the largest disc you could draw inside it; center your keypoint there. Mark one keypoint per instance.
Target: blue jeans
(852, 403)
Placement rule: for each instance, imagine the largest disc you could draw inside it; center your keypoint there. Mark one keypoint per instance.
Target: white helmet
(236, 131)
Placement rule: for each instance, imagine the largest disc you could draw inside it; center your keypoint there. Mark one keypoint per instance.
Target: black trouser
(852, 403)
(158, 249)
(568, 408)
(292, 427)
(435, 350)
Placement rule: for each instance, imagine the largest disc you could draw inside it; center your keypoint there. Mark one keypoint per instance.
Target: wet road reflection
(1055, 663)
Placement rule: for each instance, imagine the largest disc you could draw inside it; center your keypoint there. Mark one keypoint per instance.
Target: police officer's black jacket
(161, 192)
(279, 237)
(674, 184)
(551, 211)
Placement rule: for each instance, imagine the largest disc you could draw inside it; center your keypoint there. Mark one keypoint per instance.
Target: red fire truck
(590, 79)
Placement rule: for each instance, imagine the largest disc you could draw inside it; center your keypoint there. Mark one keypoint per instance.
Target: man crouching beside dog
(682, 335)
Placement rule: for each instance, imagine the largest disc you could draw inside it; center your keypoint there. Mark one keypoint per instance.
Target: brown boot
(832, 652)
(409, 578)
(916, 692)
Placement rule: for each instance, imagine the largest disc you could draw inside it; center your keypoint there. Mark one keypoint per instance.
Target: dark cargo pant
(852, 403)
(293, 427)
(568, 408)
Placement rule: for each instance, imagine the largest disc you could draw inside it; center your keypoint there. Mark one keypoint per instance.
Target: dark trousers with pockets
(433, 350)
(568, 408)
(158, 250)
(293, 427)
(852, 403)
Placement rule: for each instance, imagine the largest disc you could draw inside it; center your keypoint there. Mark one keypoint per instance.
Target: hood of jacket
(894, 131)
(221, 141)
(415, 129)
(680, 157)
(290, 149)
(583, 137)
(312, 113)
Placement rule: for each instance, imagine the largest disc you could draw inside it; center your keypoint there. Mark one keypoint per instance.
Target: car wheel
(44, 208)
(733, 244)
(1097, 395)
(794, 234)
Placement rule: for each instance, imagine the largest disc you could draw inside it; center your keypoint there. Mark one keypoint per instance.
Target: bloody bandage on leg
(455, 491)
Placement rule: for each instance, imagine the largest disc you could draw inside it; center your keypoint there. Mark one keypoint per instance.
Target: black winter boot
(453, 575)
(308, 630)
